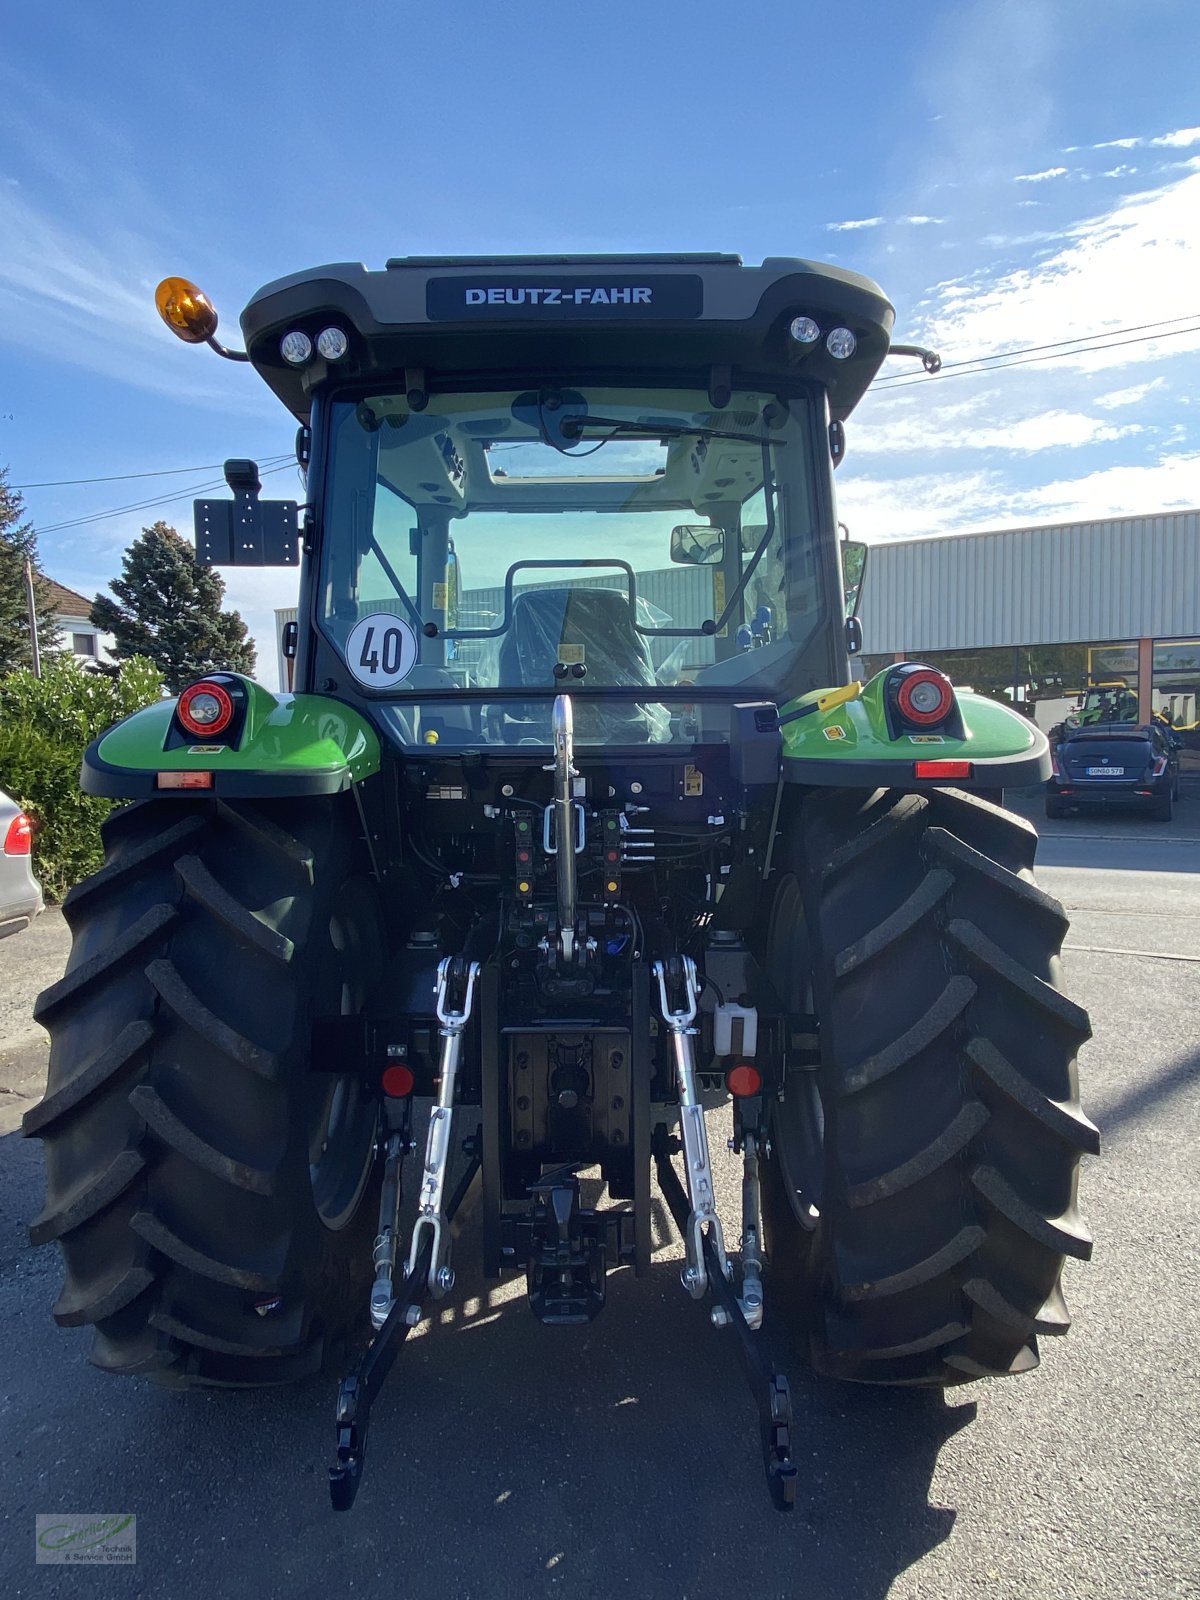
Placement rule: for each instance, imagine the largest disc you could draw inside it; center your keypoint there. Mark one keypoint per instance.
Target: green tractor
(574, 827)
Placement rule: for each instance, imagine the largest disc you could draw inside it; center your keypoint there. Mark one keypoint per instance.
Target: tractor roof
(706, 319)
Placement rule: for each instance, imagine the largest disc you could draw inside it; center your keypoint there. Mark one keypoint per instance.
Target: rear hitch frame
(360, 1389)
(768, 1384)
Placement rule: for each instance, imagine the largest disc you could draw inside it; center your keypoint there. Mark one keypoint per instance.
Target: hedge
(45, 725)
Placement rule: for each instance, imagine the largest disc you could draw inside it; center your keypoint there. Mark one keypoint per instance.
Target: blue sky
(1014, 173)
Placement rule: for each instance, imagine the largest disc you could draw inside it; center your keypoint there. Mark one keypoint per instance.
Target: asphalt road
(507, 1459)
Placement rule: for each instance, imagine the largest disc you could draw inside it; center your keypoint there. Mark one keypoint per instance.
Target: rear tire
(1163, 807)
(952, 1130)
(214, 1200)
(1055, 810)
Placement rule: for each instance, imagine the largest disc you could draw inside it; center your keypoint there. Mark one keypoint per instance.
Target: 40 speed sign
(381, 650)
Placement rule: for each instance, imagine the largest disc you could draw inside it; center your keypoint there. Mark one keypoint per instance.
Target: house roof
(66, 602)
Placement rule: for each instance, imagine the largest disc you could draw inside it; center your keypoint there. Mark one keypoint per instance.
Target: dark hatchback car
(1112, 764)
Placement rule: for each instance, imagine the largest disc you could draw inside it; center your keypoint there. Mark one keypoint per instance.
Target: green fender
(841, 736)
(290, 744)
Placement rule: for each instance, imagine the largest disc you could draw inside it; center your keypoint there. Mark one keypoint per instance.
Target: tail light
(924, 697)
(1055, 768)
(1159, 767)
(18, 841)
(205, 709)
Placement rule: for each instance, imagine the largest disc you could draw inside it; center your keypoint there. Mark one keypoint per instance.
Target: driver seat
(592, 628)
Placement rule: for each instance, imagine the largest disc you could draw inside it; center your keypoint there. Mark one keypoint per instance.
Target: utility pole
(33, 633)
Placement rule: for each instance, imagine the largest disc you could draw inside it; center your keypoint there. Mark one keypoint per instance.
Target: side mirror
(698, 546)
(854, 566)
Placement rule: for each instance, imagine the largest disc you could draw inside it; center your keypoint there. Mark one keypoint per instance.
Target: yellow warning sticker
(439, 597)
(693, 781)
(719, 601)
(835, 732)
(571, 655)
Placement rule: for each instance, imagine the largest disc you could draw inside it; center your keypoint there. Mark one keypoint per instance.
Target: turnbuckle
(431, 1214)
(702, 1196)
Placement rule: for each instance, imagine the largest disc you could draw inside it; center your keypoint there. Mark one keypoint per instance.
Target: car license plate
(1105, 772)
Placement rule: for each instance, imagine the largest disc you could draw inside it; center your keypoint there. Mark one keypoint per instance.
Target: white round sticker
(381, 650)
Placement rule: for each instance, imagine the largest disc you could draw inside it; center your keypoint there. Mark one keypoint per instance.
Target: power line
(1032, 354)
(146, 505)
(124, 477)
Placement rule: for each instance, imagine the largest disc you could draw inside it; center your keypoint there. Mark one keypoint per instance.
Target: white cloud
(1179, 140)
(921, 222)
(967, 502)
(83, 294)
(853, 226)
(1127, 397)
(1040, 177)
(1024, 435)
(1119, 172)
(1142, 253)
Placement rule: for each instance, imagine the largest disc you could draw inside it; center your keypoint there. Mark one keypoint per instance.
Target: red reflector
(18, 841)
(398, 1082)
(743, 1080)
(185, 780)
(943, 769)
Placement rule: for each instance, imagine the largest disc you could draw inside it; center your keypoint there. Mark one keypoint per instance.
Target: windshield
(608, 539)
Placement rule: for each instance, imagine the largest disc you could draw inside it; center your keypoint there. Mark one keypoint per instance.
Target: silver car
(20, 892)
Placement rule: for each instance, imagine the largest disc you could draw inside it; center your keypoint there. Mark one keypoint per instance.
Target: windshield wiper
(574, 428)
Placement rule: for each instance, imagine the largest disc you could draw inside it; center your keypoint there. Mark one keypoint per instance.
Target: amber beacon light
(186, 310)
(191, 315)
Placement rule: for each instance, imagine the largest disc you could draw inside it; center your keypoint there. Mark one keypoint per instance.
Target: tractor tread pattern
(71, 1210)
(77, 1306)
(129, 1044)
(242, 923)
(131, 864)
(169, 985)
(168, 1243)
(956, 1136)
(950, 1180)
(932, 889)
(1062, 1118)
(945, 1011)
(175, 1133)
(103, 966)
(174, 1120)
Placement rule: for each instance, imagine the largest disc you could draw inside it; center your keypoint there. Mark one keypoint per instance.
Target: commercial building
(1036, 615)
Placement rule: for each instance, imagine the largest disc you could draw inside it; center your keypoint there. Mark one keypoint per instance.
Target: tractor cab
(609, 477)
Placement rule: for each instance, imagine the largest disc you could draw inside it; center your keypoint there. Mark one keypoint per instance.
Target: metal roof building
(1117, 579)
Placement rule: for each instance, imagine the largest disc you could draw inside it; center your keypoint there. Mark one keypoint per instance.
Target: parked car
(20, 892)
(1113, 764)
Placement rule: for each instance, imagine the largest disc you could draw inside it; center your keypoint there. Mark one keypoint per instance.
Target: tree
(18, 543)
(170, 611)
